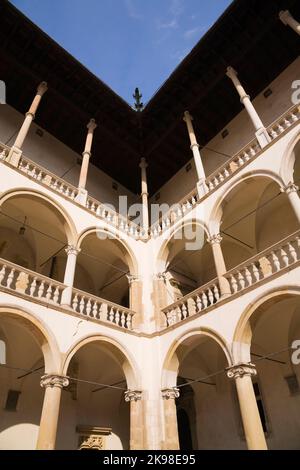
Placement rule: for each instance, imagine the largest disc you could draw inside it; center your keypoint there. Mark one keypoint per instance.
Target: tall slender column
(144, 194)
(291, 190)
(160, 299)
(72, 253)
(53, 385)
(288, 20)
(135, 299)
(215, 242)
(16, 150)
(170, 415)
(201, 185)
(261, 132)
(82, 194)
(136, 419)
(254, 433)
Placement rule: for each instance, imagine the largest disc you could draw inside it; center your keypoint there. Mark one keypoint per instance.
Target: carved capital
(132, 278)
(91, 125)
(231, 73)
(216, 238)
(42, 88)
(72, 250)
(187, 116)
(133, 395)
(194, 145)
(143, 163)
(49, 380)
(241, 370)
(290, 188)
(170, 393)
(161, 276)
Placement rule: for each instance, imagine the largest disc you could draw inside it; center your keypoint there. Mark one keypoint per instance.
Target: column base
(82, 196)
(263, 137)
(201, 188)
(14, 156)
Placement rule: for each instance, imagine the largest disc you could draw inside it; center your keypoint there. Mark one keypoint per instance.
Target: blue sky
(126, 43)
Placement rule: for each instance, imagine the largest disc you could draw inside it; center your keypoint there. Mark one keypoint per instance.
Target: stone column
(170, 415)
(291, 190)
(254, 433)
(135, 299)
(201, 185)
(261, 132)
(16, 150)
(136, 419)
(53, 385)
(160, 299)
(82, 194)
(144, 194)
(288, 20)
(72, 253)
(215, 242)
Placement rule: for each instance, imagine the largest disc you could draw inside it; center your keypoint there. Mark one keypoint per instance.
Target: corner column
(171, 441)
(261, 132)
(135, 299)
(72, 253)
(82, 192)
(291, 190)
(201, 185)
(288, 20)
(215, 242)
(144, 194)
(16, 150)
(53, 385)
(254, 433)
(160, 299)
(136, 419)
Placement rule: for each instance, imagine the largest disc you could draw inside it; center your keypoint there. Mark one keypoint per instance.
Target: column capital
(216, 238)
(91, 125)
(161, 276)
(50, 380)
(132, 278)
(170, 393)
(289, 188)
(42, 88)
(133, 395)
(187, 116)
(231, 72)
(194, 145)
(241, 370)
(284, 16)
(143, 163)
(72, 250)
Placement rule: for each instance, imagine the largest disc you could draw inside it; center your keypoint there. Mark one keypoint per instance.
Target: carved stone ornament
(241, 370)
(170, 393)
(54, 381)
(133, 395)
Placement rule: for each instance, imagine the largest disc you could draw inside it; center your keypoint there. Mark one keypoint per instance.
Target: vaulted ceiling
(248, 36)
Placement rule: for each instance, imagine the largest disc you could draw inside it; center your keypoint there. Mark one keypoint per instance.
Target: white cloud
(190, 33)
(172, 24)
(176, 7)
(131, 10)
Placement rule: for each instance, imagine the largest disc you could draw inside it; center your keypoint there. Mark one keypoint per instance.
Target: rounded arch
(217, 210)
(172, 359)
(70, 229)
(179, 226)
(288, 160)
(120, 353)
(243, 334)
(41, 333)
(127, 251)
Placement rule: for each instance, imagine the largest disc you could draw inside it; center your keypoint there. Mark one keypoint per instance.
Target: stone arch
(172, 359)
(217, 211)
(162, 254)
(288, 160)
(128, 252)
(69, 226)
(113, 348)
(41, 333)
(243, 334)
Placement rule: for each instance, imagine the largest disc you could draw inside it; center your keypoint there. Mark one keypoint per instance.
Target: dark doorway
(184, 430)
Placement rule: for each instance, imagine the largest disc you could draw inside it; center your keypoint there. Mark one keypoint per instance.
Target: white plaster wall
(241, 132)
(55, 156)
